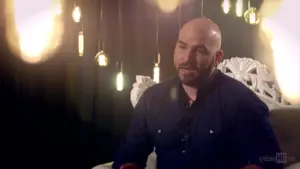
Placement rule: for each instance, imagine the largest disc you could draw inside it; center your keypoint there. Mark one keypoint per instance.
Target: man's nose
(189, 55)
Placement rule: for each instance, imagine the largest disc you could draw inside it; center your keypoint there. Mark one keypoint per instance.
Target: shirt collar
(203, 90)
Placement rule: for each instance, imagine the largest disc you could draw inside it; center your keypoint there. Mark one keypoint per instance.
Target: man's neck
(192, 90)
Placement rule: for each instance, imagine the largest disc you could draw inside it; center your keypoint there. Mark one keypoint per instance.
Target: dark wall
(66, 112)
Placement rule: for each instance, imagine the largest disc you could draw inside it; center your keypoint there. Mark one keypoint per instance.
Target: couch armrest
(294, 166)
(104, 166)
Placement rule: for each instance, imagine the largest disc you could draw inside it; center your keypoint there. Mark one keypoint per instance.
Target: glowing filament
(252, 18)
(156, 73)
(120, 81)
(80, 43)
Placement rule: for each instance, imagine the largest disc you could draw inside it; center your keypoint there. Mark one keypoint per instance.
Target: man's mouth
(187, 68)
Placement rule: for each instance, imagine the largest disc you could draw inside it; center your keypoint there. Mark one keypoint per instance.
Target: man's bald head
(206, 29)
(198, 50)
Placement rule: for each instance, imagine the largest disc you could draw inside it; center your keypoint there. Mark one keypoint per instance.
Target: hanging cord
(249, 4)
(179, 16)
(157, 33)
(80, 9)
(101, 11)
(120, 35)
(100, 47)
(202, 4)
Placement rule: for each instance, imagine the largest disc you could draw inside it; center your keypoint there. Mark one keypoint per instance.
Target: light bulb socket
(252, 16)
(119, 66)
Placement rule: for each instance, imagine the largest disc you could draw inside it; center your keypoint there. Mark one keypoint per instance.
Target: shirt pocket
(165, 137)
(208, 135)
(163, 125)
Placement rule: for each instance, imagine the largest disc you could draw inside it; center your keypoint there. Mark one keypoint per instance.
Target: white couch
(256, 76)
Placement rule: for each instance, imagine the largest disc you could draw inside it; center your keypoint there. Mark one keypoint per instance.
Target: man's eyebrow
(182, 43)
(197, 46)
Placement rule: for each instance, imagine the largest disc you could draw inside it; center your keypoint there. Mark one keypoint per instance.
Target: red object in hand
(129, 166)
(252, 166)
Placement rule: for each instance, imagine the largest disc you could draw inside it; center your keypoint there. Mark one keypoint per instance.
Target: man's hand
(129, 166)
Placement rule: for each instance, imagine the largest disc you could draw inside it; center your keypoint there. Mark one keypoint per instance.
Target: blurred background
(60, 106)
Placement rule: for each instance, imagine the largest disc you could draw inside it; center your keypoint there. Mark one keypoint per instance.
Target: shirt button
(158, 131)
(183, 151)
(185, 138)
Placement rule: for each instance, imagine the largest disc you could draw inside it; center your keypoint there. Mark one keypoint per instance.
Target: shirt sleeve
(256, 140)
(137, 145)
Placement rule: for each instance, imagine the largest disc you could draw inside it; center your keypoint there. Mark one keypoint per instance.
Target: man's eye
(182, 47)
(200, 50)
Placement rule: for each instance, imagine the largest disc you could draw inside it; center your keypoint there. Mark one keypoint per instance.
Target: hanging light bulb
(226, 6)
(156, 70)
(252, 16)
(80, 43)
(76, 14)
(101, 58)
(120, 78)
(239, 8)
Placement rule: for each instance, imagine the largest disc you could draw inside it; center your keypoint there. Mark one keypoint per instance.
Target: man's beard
(199, 78)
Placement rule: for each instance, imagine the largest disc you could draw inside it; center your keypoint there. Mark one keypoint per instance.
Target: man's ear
(219, 57)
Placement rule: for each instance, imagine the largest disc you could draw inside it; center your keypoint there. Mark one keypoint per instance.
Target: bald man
(199, 118)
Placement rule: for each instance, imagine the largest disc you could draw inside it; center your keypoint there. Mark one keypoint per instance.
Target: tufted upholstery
(286, 125)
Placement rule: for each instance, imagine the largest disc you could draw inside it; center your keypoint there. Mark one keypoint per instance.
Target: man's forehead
(193, 36)
(192, 39)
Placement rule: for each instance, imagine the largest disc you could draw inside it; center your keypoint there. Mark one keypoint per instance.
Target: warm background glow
(34, 28)
(169, 6)
(281, 31)
(226, 6)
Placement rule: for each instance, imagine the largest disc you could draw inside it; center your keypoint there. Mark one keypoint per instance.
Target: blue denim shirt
(226, 127)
